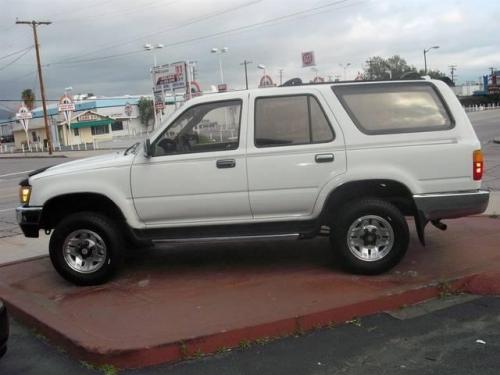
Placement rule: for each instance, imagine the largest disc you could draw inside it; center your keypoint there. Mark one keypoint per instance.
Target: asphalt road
(443, 341)
(486, 124)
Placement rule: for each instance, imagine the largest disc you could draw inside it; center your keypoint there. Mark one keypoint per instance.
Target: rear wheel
(370, 236)
(86, 248)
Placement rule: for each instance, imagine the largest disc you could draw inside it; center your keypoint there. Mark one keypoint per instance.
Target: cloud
(348, 32)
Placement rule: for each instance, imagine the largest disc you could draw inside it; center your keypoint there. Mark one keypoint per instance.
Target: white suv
(349, 160)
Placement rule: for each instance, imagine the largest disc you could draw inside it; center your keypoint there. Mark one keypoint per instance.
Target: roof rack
(298, 81)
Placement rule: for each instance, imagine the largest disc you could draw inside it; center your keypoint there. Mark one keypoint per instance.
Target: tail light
(477, 165)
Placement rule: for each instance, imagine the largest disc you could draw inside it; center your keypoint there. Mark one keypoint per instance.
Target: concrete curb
(203, 345)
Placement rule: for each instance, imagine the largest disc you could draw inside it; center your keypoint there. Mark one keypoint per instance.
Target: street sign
(24, 115)
(128, 109)
(266, 81)
(195, 89)
(66, 106)
(308, 59)
(170, 77)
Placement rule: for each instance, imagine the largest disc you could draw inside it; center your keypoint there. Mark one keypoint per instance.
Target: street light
(345, 66)
(150, 47)
(220, 51)
(263, 67)
(425, 57)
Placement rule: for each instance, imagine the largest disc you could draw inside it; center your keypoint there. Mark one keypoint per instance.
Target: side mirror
(147, 148)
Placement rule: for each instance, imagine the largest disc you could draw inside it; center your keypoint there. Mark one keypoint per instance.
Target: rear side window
(290, 120)
(395, 107)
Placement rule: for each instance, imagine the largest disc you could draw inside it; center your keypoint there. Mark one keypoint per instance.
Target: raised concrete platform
(183, 301)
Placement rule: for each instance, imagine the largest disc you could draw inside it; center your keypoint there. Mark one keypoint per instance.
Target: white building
(94, 120)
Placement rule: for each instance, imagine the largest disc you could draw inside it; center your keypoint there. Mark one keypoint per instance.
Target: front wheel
(86, 248)
(370, 236)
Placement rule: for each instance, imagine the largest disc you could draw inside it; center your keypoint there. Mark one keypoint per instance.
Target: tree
(394, 67)
(146, 110)
(28, 97)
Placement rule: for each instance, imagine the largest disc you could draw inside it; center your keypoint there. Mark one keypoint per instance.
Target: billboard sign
(222, 87)
(170, 77)
(159, 100)
(308, 59)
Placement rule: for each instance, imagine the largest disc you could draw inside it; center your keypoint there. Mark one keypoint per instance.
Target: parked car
(4, 329)
(344, 160)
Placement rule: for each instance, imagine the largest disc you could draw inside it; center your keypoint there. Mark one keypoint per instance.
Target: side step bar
(285, 236)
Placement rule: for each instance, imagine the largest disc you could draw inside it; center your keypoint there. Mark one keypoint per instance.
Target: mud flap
(420, 223)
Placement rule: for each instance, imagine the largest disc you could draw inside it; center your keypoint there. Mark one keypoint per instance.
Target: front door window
(202, 128)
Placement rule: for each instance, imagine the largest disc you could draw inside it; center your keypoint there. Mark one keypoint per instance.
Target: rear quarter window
(395, 107)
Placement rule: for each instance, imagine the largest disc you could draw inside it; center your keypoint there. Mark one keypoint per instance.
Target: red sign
(308, 59)
(66, 104)
(266, 81)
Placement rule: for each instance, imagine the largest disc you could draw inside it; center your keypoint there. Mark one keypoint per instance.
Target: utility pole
(34, 25)
(245, 62)
(452, 72)
(370, 68)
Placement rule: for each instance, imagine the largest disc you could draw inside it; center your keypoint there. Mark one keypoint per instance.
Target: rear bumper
(28, 219)
(452, 205)
(4, 329)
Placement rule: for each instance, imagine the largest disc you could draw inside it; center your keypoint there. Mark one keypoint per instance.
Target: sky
(97, 45)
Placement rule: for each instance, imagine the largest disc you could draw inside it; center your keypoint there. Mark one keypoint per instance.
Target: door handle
(324, 158)
(226, 163)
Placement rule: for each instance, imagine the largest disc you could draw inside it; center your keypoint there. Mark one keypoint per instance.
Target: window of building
(76, 132)
(290, 120)
(117, 125)
(394, 107)
(98, 130)
(187, 135)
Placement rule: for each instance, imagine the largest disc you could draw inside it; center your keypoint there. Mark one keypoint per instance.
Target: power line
(207, 36)
(16, 59)
(15, 53)
(189, 22)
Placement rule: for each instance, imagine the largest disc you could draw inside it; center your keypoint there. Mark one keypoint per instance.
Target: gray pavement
(442, 340)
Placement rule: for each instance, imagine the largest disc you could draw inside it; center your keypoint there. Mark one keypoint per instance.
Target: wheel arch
(389, 190)
(56, 208)
(392, 191)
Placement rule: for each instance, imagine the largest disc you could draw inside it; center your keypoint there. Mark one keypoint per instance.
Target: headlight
(24, 194)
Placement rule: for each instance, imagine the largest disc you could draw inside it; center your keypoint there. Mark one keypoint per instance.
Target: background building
(95, 119)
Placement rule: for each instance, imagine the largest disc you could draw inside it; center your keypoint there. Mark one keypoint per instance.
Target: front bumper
(4, 329)
(28, 219)
(452, 205)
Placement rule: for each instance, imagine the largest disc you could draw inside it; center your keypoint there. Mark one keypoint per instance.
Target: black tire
(109, 233)
(348, 215)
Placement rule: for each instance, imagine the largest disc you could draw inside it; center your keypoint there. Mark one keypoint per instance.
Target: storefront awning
(89, 124)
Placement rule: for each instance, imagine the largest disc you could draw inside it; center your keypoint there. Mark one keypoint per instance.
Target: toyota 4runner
(348, 160)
